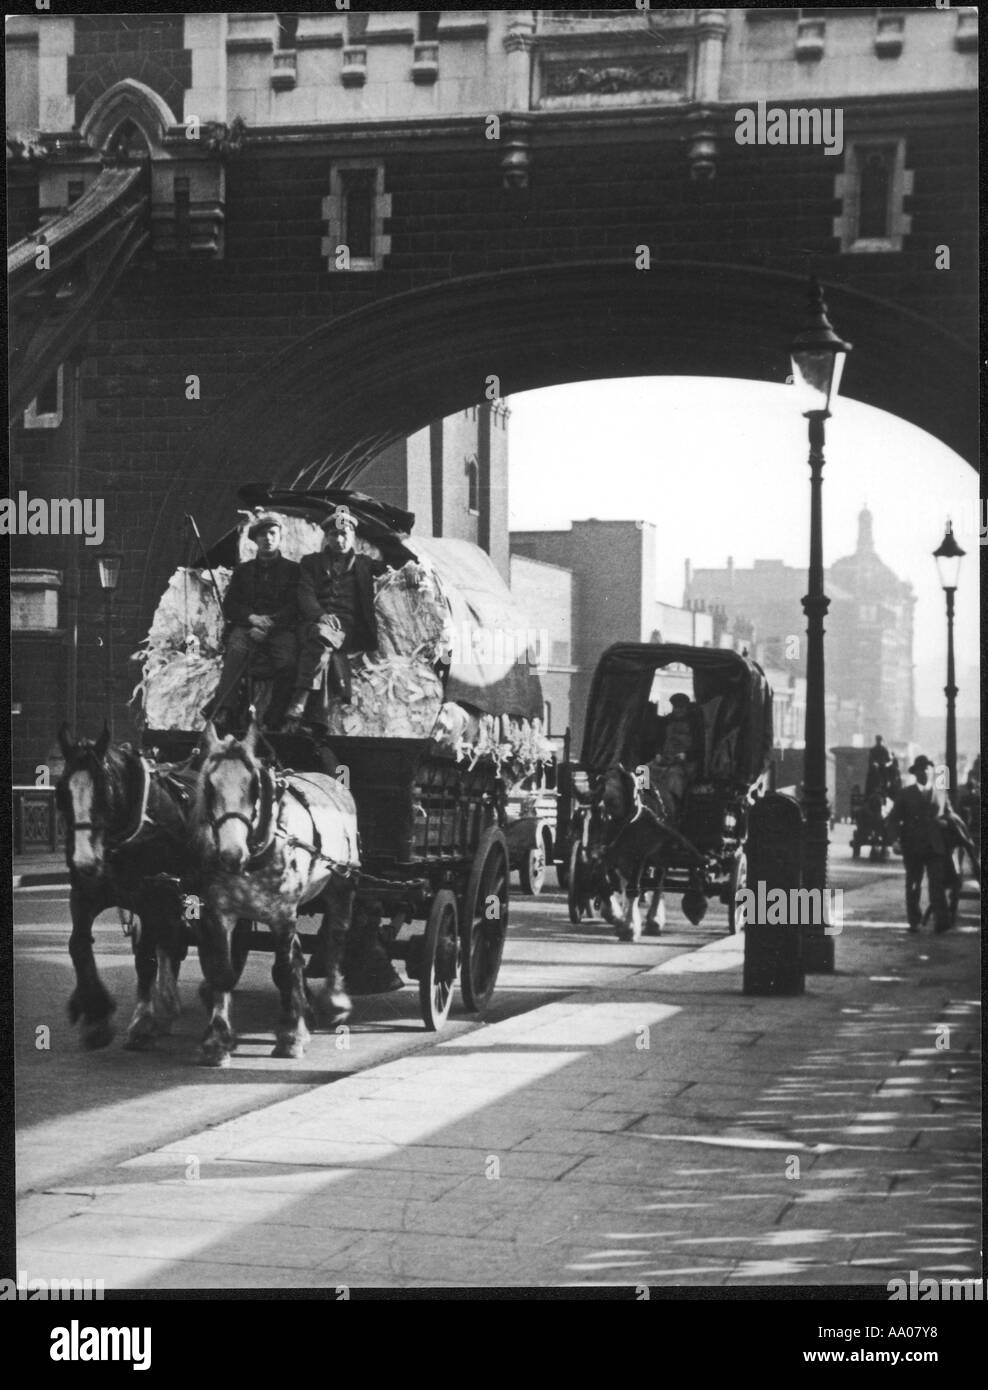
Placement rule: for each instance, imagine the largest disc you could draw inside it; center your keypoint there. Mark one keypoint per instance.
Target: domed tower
(870, 635)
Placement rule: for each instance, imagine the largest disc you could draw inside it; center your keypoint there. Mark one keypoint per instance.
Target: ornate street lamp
(948, 556)
(109, 577)
(818, 357)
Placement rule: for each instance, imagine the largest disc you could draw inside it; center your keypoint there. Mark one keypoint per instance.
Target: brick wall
(109, 48)
(590, 199)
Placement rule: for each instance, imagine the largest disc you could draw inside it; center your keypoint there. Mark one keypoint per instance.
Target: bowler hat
(264, 522)
(921, 763)
(679, 698)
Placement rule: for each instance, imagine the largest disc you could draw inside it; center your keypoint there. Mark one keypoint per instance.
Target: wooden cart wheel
(437, 968)
(737, 917)
(240, 947)
(485, 922)
(578, 897)
(532, 871)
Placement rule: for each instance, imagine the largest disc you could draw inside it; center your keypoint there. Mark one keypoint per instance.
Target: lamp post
(818, 356)
(109, 576)
(948, 556)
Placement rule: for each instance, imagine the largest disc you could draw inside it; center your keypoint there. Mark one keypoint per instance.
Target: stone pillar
(205, 35)
(519, 42)
(56, 41)
(711, 29)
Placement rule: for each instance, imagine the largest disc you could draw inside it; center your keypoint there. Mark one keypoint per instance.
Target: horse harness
(144, 820)
(267, 824)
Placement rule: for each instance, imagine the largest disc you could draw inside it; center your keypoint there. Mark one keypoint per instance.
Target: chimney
(730, 571)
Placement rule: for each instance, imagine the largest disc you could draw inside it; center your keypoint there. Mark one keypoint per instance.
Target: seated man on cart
(677, 758)
(336, 608)
(260, 609)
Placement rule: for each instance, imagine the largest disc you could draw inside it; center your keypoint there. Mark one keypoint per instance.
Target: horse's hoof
(97, 1034)
(289, 1048)
(140, 1035)
(652, 928)
(213, 1056)
(333, 1008)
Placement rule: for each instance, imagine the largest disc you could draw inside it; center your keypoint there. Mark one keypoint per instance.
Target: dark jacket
(315, 593)
(243, 597)
(916, 820)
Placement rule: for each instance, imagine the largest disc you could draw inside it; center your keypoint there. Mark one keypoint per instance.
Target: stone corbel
(701, 150)
(516, 150)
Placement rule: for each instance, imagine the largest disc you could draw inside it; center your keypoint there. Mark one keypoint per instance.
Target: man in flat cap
(336, 609)
(918, 820)
(260, 608)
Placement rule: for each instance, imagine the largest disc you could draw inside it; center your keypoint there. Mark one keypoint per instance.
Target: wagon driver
(337, 617)
(260, 609)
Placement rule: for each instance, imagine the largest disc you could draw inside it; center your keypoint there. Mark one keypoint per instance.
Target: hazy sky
(720, 467)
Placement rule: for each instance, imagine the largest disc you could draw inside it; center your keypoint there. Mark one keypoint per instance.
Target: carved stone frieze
(606, 77)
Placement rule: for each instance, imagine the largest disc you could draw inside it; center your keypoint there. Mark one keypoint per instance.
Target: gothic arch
(128, 100)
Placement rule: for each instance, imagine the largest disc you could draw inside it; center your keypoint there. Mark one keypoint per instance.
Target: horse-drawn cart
(695, 843)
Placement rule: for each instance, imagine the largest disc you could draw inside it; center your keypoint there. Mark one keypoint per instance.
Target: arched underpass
(343, 393)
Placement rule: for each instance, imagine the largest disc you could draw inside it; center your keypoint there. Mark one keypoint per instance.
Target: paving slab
(660, 1128)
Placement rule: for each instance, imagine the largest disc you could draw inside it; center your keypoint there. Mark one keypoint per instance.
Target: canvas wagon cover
(488, 671)
(620, 717)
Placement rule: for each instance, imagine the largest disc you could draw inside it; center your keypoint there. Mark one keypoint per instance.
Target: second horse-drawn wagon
(661, 815)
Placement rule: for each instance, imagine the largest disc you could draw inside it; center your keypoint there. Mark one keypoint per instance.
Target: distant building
(612, 569)
(454, 476)
(869, 644)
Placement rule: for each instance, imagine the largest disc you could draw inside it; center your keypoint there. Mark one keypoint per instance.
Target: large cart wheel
(437, 970)
(240, 947)
(737, 916)
(485, 920)
(532, 870)
(577, 892)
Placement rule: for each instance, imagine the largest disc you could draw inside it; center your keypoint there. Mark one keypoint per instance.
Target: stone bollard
(773, 952)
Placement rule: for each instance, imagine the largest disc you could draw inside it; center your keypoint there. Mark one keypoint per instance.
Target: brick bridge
(512, 257)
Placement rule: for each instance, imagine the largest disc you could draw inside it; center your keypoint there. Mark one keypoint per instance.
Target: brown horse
(271, 845)
(630, 836)
(127, 847)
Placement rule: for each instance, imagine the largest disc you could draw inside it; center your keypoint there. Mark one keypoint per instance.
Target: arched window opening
(875, 186)
(128, 142)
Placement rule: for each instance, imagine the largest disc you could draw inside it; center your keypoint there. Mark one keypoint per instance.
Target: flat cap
(264, 522)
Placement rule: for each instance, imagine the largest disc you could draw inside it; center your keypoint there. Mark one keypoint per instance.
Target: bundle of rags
(396, 691)
(182, 655)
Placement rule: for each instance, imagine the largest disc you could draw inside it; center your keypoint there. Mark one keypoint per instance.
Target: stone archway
(359, 383)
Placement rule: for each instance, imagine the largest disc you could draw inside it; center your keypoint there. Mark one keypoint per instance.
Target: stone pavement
(663, 1130)
(30, 870)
